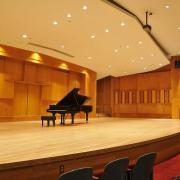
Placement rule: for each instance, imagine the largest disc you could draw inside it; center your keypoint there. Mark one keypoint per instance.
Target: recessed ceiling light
(84, 7)
(123, 24)
(145, 68)
(160, 64)
(55, 23)
(62, 46)
(167, 6)
(24, 36)
(132, 60)
(178, 28)
(109, 66)
(116, 50)
(93, 36)
(152, 55)
(69, 15)
(141, 58)
(124, 72)
(127, 46)
(89, 57)
(140, 42)
(107, 30)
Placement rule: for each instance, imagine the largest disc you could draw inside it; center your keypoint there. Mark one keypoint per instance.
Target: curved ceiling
(99, 36)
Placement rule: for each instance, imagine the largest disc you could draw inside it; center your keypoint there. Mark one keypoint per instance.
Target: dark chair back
(144, 167)
(116, 170)
(78, 174)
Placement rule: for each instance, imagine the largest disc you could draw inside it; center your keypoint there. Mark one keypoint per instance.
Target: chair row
(117, 170)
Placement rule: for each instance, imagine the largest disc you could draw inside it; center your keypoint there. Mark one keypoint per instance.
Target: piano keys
(72, 103)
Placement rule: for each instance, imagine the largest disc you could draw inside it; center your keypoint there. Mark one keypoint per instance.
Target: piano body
(72, 103)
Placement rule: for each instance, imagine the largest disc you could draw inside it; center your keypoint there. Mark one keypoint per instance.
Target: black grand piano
(72, 103)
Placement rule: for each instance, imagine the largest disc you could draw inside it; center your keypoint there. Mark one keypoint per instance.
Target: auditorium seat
(78, 174)
(143, 168)
(115, 170)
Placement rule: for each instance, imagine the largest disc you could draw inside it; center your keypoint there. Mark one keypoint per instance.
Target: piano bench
(48, 119)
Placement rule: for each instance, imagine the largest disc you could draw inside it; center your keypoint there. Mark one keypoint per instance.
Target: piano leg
(62, 121)
(86, 117)
(72, 118)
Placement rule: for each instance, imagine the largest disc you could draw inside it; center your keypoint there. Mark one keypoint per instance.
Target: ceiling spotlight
(84, 7)
(116, 50)
(55, 23)
(145, 68)
(89, 57)
(140, 42)
(167, 6)
(152, 55)
(122, 24)
(124, 72)
(132, 60)
(109, 66)
(178, 28)
(141, 58)
(160, 64)
(24, 36)
(62, 46)
(93, 36)
(68, 15)
(107, 30)
(127, 46)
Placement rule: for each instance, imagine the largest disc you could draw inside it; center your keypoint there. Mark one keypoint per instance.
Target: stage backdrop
(30, 82)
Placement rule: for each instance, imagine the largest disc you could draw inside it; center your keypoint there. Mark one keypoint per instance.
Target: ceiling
(123, 50)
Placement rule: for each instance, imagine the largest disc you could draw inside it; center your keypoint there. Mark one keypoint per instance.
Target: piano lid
(73, 99)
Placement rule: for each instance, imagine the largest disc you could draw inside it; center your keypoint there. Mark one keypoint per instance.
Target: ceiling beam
(131, 14)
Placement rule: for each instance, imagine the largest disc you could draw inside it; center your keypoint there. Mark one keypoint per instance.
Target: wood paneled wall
(175, 83)
(142, 95)
(27, 89)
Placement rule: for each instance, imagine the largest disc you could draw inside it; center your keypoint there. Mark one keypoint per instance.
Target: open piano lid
(73, 98)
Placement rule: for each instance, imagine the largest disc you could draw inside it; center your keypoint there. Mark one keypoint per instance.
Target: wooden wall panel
(33, 100)
(142, 95)
(20, 99)
(14, 70)
(175, 93)
(59, 85)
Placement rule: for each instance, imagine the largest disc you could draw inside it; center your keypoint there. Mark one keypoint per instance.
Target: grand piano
(72, 103)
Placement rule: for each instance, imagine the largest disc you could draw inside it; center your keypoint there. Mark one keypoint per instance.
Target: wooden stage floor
(27, 140)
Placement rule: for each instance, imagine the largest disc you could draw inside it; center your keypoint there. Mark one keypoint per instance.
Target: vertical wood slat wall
(27, 89)
(142, 95)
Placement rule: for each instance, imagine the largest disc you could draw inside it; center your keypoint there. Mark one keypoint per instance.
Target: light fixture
(160, 64)
(24, 36)
(122, 24)
(116, 50)
(132, 60)
(140, 42)
(68, 15)
(109, 66)
(152, 55)
(167, 6)
(89, 57)
(178, 28)
(141, 58)
(145, 68)
(62, 46)
(107, 30)
(84, 7)
(93, 36)
(127, 46)
(55, 23)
